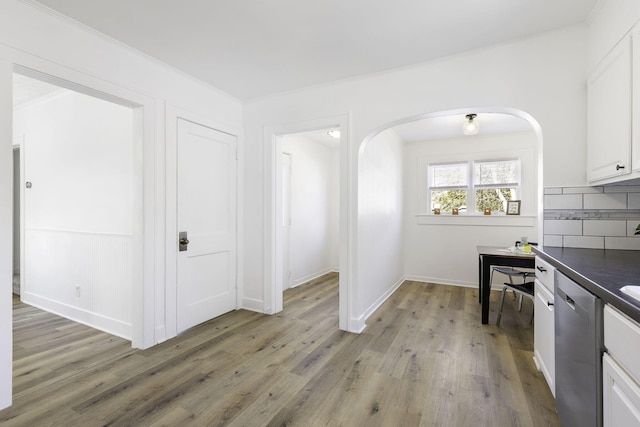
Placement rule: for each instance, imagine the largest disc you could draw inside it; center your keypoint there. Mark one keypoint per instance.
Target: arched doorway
(443, 246)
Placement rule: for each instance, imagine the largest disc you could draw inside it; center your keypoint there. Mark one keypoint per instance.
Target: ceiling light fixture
(471, 126)
(335, 133)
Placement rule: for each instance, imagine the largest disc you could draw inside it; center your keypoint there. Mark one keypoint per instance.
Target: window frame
(471, 188)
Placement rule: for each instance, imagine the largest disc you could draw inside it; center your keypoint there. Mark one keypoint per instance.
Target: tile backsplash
(592, 217)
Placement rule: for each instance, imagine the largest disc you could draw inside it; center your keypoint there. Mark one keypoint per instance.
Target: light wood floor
(423, 360)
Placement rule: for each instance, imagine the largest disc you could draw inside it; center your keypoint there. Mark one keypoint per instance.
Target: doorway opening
(310, 213)
(429, 238)
(273, 249)
(75, 216)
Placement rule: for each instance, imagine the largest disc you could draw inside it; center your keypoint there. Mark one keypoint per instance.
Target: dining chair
(513, 273)
(524, 290)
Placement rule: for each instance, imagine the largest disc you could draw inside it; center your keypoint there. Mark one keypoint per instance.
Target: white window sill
(469, 220)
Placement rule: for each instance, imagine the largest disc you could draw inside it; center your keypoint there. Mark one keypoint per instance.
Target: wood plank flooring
(423, 360)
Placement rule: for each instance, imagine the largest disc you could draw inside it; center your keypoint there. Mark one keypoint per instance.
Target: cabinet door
(544, 334)
(609, 101)
(635, 127)
(620, 396)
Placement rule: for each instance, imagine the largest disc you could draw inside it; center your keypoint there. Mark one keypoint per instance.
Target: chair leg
(504, 292)
(514, 292)
(524, 280)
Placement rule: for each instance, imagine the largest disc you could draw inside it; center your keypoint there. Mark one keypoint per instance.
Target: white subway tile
(582, 190)
(634, 200)
(622, 189)
(563, 201)
(555, 241)
(563, 227)
(604, 228)
(624, 243)
(605, 201)
(589, 242)
(553, 190)
(631, 227)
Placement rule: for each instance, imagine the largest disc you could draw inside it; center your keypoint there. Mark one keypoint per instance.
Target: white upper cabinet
(609, 115)
(635, 123)
(613, 114)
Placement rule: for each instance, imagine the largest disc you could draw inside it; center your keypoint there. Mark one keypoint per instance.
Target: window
(476, 184)
(448, 185)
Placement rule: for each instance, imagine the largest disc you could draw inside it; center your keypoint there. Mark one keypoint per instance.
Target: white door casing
(286, 220)
(206, 211)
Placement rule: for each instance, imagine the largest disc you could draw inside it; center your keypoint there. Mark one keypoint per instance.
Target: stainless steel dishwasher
(579, 346)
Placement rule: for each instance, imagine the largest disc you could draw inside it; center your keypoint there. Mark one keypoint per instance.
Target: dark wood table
(489, 256)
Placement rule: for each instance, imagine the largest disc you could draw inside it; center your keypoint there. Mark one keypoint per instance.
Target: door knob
(183, 241)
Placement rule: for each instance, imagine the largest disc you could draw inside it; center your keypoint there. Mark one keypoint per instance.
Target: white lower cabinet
(620, 396)
(620, 370)
(544, 334)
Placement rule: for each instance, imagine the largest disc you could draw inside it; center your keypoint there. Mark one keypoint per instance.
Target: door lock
(183, 241)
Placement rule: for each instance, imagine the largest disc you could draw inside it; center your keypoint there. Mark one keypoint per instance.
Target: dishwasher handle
(570, 302)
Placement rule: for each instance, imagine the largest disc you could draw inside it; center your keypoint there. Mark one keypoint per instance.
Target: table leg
(479, 279)
(486, 290)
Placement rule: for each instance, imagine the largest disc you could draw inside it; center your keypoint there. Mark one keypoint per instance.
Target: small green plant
(637, 232)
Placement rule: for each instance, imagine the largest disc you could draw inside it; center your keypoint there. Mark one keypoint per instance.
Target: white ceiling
(253, 48)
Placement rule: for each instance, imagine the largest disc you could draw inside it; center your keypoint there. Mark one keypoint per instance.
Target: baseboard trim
(252, 304)
(359, 324)
(440, 281)
(89, 318)
(311, 277)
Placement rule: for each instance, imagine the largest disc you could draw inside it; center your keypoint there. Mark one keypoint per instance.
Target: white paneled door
(206, 285)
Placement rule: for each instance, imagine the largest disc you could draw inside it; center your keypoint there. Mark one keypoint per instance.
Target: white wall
(314, 208)
(78, 156)
(380, 214)
(37, 39)
(442, 249)
(543, 76)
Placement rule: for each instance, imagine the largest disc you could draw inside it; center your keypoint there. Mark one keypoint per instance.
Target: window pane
(445, 200)
(494, 199)
(499, 172)
(448, 175)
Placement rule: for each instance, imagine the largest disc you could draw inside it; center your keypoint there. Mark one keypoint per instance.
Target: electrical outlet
(77, 290)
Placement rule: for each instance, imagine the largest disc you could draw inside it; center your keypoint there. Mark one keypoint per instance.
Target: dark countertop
(601, 271)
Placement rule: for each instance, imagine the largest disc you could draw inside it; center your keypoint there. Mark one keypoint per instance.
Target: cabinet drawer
(622, 340)
(545, 273)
